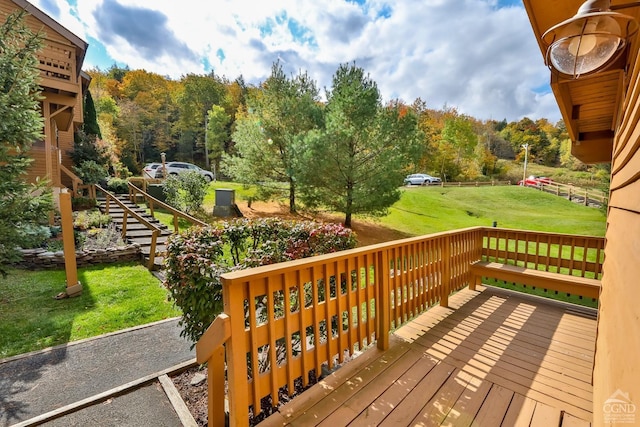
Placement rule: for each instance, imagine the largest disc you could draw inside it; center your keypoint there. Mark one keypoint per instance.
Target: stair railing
(152, 202)
(155, 231)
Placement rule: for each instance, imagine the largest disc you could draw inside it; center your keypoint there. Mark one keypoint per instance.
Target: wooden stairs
(136, 231)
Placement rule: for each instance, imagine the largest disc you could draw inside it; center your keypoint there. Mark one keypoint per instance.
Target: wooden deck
(493, 358)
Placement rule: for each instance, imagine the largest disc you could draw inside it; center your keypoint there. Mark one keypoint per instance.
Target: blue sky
(479, 56)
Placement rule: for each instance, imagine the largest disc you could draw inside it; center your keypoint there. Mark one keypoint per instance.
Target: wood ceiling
(590, 105)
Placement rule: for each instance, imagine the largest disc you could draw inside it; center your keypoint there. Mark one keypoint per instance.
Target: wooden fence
(474, 184)
(586, 196)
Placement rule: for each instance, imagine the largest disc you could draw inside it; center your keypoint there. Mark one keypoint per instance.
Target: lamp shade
(589, 41)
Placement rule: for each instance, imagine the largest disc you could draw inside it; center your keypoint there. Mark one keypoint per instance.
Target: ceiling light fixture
(589, 41)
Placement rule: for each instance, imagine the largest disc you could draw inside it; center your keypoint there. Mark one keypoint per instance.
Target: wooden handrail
(75, 180)
(285, 321)
(156, 232)
(152, 201)
(331, 306)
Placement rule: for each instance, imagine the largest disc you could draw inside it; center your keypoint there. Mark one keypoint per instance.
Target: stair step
(144, 233)
(137, 232)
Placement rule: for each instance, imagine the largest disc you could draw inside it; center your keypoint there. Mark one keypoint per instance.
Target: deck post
(445, 286)
(73, 288)
(383, 309)
(237, 354)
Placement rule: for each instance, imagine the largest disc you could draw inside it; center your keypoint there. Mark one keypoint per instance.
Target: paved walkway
(37, 383)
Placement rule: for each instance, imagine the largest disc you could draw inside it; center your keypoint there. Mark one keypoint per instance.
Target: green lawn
(424, 210)
(114, 297)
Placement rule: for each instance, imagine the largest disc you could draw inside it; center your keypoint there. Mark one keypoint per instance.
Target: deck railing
(57, 61)
(558, 253)
(79, 188)
(286, 323)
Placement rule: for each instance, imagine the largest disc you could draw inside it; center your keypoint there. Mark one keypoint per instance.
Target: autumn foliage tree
(261, 129)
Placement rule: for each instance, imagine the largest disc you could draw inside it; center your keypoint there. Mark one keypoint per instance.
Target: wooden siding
(492, 358)
(616, 360)
(37, 168)
(61, 88)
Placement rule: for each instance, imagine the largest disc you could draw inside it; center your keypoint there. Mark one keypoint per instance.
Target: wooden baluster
(383, 300)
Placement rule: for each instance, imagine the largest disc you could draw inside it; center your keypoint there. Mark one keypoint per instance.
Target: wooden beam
(561, 92)
(593, 150)
(60, 99)
(60, 84)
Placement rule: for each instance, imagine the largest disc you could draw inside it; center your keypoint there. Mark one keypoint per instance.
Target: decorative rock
(40, 258)
(198, 378)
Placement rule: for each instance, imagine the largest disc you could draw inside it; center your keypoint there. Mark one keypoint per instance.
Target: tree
(217, 133)
(90, 120)
(356, 164)
(269, 137)
(537, 136)
(147, 112)
(198, 94)
(459, 143)
(21, 204)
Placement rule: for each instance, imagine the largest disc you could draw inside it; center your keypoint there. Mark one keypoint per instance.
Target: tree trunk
(349, 206)
(292, 196)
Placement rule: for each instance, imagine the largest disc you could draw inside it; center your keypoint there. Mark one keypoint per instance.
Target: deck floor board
(493, 357)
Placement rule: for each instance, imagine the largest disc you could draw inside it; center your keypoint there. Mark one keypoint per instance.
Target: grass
(166, 218)
(425, 210)
(242, 192)
(114, 297)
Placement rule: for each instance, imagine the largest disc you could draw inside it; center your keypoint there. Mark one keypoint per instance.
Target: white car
(150, 169)
(176, 168)
(421, 179)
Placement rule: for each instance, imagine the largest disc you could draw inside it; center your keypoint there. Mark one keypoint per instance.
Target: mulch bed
(195, 396)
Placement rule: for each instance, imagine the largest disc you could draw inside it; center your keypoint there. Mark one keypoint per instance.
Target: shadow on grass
(29, 311)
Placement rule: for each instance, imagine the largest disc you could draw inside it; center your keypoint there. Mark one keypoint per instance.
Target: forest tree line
(283, 133)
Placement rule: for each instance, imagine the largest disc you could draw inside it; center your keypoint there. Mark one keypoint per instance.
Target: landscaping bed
(192, 386)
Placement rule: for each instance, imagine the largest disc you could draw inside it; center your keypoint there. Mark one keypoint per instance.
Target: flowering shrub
(185, 191)
(197, 257)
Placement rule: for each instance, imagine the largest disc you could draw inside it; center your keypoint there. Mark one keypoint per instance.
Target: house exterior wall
(617, 358)
(62, 91)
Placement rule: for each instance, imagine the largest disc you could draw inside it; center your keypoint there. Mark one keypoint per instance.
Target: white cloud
(471, 54)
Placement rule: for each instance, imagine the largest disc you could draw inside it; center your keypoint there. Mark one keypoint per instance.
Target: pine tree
(21, 204)
(90, 118)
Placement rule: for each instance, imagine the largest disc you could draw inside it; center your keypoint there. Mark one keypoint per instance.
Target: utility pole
(524, 174)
